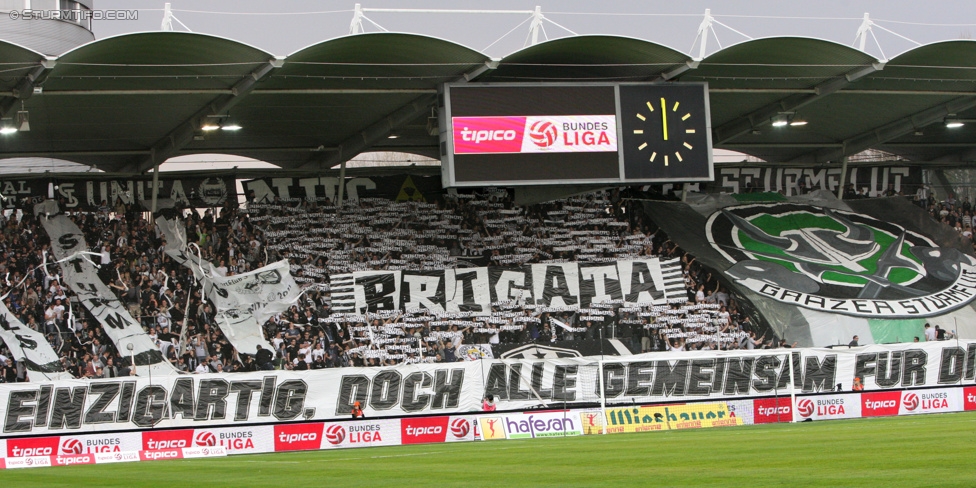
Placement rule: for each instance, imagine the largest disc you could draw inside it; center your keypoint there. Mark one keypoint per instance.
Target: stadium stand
(324, 244)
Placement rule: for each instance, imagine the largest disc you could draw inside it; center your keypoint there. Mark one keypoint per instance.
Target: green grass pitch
(924, 450)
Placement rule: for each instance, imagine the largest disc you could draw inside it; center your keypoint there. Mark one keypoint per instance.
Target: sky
(285, 26)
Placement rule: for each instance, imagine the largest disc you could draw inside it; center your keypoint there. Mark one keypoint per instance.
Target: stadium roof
(125, 102)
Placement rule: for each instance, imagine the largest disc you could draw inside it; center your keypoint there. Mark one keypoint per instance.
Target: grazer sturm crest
(839, 261)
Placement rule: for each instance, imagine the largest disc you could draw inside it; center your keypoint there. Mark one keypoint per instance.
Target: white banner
(210, 400)
(69, 247)
(30, 347)
(244, 301)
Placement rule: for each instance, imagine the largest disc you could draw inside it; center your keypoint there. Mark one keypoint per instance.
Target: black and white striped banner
(30, 347)
(69, 247)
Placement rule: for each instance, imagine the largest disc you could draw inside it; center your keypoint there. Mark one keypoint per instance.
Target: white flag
(561, 324)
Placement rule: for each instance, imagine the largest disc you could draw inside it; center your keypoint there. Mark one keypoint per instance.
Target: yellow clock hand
(664, 117)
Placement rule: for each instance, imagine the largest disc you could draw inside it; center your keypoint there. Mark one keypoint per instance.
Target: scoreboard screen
(545, 134)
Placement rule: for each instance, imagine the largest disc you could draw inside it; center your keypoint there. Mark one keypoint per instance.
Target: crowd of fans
(957, 214)
(320, 240)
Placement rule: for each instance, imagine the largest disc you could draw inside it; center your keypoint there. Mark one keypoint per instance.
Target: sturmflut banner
(277, 396)
(793, 181)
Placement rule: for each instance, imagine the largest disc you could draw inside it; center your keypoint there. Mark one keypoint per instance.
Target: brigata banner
(429, 390)
(574, 285)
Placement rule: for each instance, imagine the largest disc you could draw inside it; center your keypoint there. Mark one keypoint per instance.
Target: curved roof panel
(380, 60)
(15, 62)
(778, 62)
(155, 60)
(115, 101)
(940, 55)
(943, 66)
(593, 58)
(15, 53)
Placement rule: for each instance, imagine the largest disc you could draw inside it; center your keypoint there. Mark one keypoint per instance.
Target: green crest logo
(837, 260)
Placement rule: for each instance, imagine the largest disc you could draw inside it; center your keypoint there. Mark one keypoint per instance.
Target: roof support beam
(172, 142)
(751, 145)
(763, 116)
(488, 66)
(422, 91)
(680, 70)
(25, 88)
(368, 137)
(147, 152)
(890, 131)
(230, 91)
(966, 156)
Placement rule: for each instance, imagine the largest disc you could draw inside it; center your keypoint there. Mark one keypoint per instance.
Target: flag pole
(789, 357)
(603, 393)
(603, 399)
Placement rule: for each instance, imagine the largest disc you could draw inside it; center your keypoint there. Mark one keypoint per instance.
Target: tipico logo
(840, 262)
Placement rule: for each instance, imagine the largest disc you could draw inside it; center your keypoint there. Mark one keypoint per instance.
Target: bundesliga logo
(335, 434)
(543, 133)
(205, 439)
(460, 428)
(72, 446)
(911, 401)
(805, 407)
